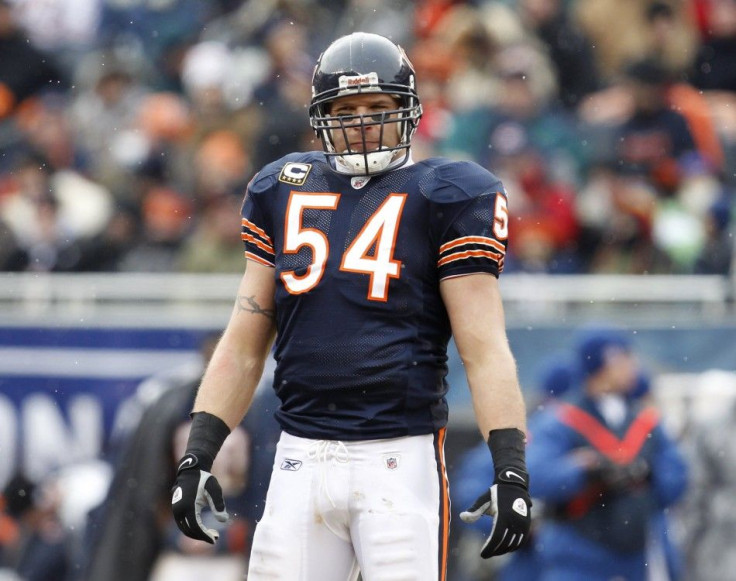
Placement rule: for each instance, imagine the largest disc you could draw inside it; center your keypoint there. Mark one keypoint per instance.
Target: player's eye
(378, 115)
(343, 112)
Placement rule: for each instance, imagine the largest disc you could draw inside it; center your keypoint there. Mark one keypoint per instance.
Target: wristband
(508, 449)
(206, 438)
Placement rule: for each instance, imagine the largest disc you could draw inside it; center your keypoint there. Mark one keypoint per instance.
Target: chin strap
(366, 163)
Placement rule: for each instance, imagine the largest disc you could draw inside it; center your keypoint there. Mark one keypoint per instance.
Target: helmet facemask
(360, 161)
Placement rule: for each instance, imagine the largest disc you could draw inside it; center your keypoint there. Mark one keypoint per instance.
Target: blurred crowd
(129, 129)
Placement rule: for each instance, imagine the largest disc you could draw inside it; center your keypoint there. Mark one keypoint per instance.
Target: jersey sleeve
(255, 230)
(475, 236)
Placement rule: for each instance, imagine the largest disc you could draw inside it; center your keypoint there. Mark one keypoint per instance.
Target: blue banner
(61, 389)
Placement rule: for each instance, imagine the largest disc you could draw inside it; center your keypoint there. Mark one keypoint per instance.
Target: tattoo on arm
(249, 305)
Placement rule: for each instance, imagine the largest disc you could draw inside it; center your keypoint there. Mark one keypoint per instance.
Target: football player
(361, 264)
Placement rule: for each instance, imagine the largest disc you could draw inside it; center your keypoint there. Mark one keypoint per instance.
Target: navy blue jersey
(361, 347)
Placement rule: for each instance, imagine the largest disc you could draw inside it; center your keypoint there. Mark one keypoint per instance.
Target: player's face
(359, 137)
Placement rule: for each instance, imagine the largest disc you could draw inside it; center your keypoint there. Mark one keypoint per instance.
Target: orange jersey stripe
(258, 259)
(444, 532)
(254, 240)
(470, 254)
(255, 229)
(472, 240)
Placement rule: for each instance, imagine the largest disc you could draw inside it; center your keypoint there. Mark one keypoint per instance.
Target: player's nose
(367, 119)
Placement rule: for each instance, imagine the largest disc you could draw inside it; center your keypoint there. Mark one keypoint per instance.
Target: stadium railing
(206, 299)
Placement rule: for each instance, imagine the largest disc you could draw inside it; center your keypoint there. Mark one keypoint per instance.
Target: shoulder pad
(454, 181)
(291, 168)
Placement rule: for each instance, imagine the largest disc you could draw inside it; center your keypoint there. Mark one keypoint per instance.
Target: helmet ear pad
(365, 63)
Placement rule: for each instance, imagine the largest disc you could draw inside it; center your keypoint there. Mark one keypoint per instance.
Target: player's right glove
(195, 487)
(507, 500)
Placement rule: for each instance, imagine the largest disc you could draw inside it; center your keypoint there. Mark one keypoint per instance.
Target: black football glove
(193, 490)
(509, 503)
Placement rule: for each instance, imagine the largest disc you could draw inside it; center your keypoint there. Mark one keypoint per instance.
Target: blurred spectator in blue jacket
(606, 470)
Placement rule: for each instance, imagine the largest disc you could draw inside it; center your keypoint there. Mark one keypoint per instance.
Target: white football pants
(336, 509)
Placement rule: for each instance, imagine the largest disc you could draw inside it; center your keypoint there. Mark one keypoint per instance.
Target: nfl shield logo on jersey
(359, 181)
(391, 462)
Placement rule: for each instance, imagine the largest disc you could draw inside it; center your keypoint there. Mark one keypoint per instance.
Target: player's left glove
(195, 489)
(507, 500)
